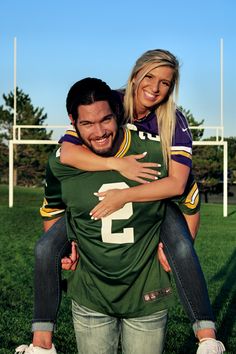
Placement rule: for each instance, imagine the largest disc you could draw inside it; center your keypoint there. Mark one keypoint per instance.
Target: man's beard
(105, 153)
(111, 151)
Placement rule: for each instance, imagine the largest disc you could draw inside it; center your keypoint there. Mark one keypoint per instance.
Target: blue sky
(60, 42)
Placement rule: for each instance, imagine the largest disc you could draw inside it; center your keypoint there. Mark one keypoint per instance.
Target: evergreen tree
(29, 160)
(196, 133)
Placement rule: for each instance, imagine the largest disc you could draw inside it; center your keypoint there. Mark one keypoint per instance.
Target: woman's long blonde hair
(165, 111)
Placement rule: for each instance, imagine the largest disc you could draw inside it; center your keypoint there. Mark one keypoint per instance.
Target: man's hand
(70, 263)
(162, 258)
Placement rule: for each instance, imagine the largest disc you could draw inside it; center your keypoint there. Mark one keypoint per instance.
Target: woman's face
(153, 89)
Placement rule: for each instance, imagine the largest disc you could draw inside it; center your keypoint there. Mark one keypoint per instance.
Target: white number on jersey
(127, 236)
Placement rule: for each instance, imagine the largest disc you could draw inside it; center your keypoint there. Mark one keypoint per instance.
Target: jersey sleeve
(71, 137)
(181, 149)
(53, 206)
(189, 202)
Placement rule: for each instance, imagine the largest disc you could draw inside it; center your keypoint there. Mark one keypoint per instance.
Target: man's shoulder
(54, 157)
(55, 166)
(141, 142)
(141, 135)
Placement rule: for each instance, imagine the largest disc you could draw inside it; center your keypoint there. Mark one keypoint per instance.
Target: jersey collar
(125, 144)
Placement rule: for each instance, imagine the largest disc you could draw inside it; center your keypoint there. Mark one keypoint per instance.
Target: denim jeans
(186, 269)
(97, 333)
(49, 250)
(180, 253)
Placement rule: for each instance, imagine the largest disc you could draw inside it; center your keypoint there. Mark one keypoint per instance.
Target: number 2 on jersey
(127, 236)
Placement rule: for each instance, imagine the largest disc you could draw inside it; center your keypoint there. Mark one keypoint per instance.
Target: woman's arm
(167, 187)
(80, 157)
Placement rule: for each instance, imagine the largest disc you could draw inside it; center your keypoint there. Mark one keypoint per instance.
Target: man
(119, 287)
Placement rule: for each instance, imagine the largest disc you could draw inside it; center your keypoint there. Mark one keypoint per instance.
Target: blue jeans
(180, 253)
(97, 333)
(49, 249)
(186, 269)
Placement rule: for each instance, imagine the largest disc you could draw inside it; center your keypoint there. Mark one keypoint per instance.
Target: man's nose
(99, 130)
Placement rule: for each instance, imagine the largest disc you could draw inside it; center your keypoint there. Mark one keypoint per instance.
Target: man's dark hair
(90, 90)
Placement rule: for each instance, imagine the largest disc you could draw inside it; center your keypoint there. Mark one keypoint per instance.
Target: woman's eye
(166, 83)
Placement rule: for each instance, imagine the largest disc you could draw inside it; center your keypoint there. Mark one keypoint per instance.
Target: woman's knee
(174, 229)
(43, 247)
(183, 249)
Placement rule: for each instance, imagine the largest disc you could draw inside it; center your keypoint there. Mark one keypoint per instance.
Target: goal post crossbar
(17, 130)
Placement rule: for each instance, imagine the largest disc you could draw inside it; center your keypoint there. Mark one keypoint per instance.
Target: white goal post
(17, 129)
(218, 142)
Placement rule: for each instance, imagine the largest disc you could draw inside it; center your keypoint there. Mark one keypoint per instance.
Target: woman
(149, 100)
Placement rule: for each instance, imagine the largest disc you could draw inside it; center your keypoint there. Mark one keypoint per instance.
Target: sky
(60, 42)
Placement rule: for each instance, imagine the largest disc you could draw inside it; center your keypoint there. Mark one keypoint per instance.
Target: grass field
(20, 228)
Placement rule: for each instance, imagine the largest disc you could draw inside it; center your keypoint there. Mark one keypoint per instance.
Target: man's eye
(107, 119)
(85, 124)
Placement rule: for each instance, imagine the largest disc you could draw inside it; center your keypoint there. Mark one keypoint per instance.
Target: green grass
(20, 228)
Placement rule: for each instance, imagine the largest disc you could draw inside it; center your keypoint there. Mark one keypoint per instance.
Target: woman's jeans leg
(97, 333)
(186, 269)
(49, 250)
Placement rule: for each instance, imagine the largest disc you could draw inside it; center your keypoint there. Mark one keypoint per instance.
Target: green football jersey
(118, 272)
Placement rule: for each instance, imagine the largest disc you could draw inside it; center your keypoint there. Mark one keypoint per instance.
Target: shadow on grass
(224, 307)
(232, 213)
(224, 304)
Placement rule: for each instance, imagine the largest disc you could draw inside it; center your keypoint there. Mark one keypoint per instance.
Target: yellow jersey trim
(125, 145)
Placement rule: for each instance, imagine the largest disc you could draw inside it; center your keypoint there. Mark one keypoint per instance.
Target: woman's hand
(112, 200)
(162, 258)
(70, 263)
(134, 170)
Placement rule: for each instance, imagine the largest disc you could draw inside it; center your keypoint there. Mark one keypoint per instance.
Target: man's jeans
(97, 333)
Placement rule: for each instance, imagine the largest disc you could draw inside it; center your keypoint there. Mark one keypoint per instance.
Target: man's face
(97, 126)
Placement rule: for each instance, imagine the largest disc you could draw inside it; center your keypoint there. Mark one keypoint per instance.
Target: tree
(208, 164)
(196, 133)
(232, 152)
(207, 160)
(3, 161)
(29, 160)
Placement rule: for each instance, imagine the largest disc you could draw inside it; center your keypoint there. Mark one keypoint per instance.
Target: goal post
(219, 135)
(17, 140)
(224, 144)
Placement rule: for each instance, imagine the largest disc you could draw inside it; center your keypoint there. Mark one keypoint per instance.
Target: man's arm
(53, 207)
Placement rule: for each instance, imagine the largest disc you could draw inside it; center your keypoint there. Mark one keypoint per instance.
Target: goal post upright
(225, 180)
(15, 101)
(11, 168)
(222, 84)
